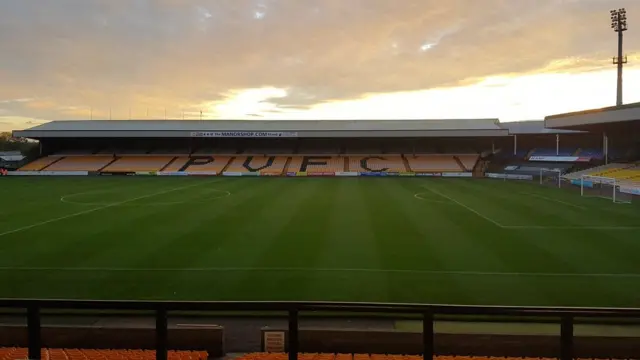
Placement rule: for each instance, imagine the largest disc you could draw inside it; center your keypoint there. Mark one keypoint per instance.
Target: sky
(309, 59)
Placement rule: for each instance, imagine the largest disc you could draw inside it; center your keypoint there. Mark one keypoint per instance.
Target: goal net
(603, 187)
(551, 177)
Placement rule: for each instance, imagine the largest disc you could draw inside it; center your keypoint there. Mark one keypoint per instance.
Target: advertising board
(373, 174)
(321, 174)
(48, 173)
(509, 176)
(457, 174)
(172, 173)
(245, 134)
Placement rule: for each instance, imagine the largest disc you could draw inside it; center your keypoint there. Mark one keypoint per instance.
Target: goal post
(603, 187)
(551, 177)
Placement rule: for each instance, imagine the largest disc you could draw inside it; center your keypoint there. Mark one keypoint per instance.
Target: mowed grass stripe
(352, 239)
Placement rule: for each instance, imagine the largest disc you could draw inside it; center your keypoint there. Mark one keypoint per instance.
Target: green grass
(466, 241)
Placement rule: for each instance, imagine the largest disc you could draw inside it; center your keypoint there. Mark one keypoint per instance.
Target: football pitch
(418, 240)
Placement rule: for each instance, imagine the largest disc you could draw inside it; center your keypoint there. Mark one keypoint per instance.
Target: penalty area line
(465, 207)
(337, 270)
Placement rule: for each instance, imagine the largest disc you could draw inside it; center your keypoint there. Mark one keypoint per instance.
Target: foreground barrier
(566, 316)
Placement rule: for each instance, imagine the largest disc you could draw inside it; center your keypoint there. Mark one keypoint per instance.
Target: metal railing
(566, 316)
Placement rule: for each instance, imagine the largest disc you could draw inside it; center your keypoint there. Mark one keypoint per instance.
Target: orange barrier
(303, 356)
(90, 354)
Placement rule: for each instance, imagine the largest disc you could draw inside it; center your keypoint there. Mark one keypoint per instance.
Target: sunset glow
(330, 59)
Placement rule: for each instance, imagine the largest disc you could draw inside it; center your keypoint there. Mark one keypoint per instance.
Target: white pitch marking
(417, 196)
(63, 199)
(556, 201)
(297, 269)
(98, 208)
(466, 207)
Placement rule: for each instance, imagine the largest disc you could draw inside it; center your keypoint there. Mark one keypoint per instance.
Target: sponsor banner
(457, 174)
(146, 173)
(201, 173)
(250, 174)
(244, 134)
(429, 174)
(270, 173)
(321, 174)
(291, 174)
(630, 190)
(393, 173)
(348, 173)
(509, 176)
(117, 173)
(172, 173)
(373, 174)
(231, 173)
(301, 174)
(560, 158)
(48, 173)
(407, 174)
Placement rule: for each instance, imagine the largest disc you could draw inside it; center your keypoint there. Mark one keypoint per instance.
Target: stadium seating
(198, 164)
(592, 153)
(81, 163)
(625, 174)
(40, 164)
(441, 163)
(317, 164)
(324, 356)
(138, 163)
(390, 163)
(90, 354)
(263, 164)
(468, 160)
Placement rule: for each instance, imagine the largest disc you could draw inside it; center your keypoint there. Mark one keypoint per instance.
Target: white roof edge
(268, 125)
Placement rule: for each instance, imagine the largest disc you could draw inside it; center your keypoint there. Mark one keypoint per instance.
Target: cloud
(75, 58)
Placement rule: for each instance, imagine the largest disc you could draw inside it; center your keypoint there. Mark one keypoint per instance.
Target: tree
(10, 143)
